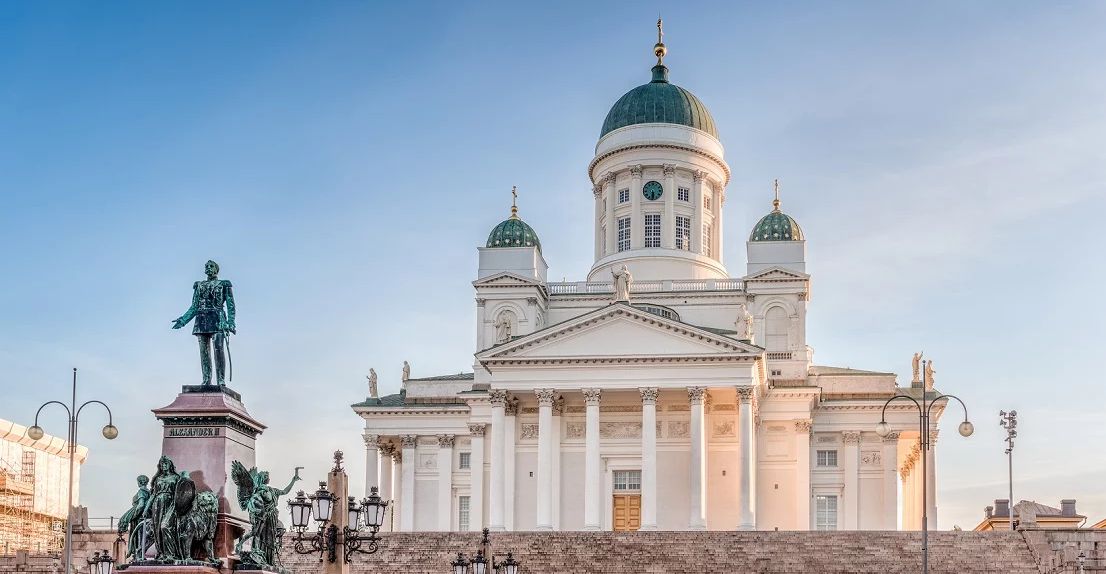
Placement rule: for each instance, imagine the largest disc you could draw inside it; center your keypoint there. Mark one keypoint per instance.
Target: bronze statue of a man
(212, 322)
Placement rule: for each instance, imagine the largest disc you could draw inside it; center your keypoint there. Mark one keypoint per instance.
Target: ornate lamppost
(483, 560)
(320, 506)
(1009, 421)
(101, 563)
(883, 429)
(35, 433)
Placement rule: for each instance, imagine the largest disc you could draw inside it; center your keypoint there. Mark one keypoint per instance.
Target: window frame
(708, 240)
(623, 195)
(653, 229)
(464, 512)
(822, 515)
(683, 194)
(464, 460)
(683, 233)
(830, 453)
(624, 234)
(632, 482)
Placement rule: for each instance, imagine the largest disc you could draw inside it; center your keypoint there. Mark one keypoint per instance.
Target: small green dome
(659, 102)
(513, 232)
(776, 226)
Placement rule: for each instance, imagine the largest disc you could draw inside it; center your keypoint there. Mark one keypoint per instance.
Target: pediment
(620, 332)
(505, 279)
(777, 274)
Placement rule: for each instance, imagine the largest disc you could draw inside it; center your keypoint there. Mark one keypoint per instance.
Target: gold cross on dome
(514, 201)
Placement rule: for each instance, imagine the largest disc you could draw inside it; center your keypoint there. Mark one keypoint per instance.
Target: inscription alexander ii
(191, 432)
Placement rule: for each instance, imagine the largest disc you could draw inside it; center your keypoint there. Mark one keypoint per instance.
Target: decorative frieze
(802, 426)
(892, 436)
(679, 429)
(477, 429)
(574, 430)
(850, 437)
(528, 431)
(871, 458)
(620, 429)
(724, 429)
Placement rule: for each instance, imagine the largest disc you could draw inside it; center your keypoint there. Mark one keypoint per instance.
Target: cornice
(717, 160)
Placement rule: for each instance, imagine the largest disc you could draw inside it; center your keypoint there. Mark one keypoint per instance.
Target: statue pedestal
(169, 569)
(207, 427)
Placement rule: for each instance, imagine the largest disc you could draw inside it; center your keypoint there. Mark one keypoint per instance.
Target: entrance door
(626, 506)
(627, 512)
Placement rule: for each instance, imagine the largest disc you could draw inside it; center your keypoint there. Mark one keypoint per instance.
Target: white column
(611, 196)
(746, 437)
(931, 482)
(648, 458)
(592, 461)
(802, 474)
(509, 430)
(668, 220)
(637, 222)
(445, 481)
(719, 199)
(544, 495)
(890, 462)
(407, 508)
(555, 449)
(697, 211)
(498, 400)
(372, 462)
(476, 476)
(698, 495)
(850, 505)
(387, 491)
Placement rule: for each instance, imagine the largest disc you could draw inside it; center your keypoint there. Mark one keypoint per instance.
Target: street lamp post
(320, 506)
(101, 563)
(1009, 421)
(883, 429)
(483, 562)
(35, 433)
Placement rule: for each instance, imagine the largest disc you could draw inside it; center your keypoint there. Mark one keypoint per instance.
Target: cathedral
(661, 392)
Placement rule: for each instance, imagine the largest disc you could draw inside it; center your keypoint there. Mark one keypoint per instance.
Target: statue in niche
(929, 375)
(744, 323)
(257, 498)
(406, 371)
(213, 324)
(622, 281)
(503, 328)
(179, 517)
(372, 383)
(134, 525)
(916, 365)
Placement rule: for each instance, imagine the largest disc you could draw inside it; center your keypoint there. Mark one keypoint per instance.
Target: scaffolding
(21, 526)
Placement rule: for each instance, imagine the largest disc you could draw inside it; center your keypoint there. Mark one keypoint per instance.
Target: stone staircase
(702, 552)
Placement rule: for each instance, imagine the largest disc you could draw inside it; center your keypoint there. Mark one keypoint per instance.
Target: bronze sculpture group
(257, 498)
(171, 517)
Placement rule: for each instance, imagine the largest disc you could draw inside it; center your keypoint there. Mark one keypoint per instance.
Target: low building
(1029, 513)
(34, 477)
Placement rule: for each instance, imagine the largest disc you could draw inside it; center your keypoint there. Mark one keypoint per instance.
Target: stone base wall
(1057, 550)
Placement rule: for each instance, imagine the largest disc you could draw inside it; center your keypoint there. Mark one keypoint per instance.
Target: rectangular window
(463, 513)
(707, 241)
(623, 195)
(623, 233)
(827, 458)
(825, 512)
(683, 232)
(683, 194)
(706, 202)
(626, 480)
(652, 230)
(464, 461)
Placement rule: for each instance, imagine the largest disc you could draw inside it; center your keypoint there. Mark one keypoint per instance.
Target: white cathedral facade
(661, 393)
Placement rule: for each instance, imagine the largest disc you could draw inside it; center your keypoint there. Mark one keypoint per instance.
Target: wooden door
(627, 512)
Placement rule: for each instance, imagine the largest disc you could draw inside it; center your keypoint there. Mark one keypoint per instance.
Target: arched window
(775, 330)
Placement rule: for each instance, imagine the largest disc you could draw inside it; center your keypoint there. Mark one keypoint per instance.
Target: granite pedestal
(205, 429)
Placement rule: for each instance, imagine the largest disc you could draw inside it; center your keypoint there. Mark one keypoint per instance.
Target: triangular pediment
(505, 279)
(777, 274)
(619, 332)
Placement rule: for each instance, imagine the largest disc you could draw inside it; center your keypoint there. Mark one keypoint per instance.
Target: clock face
(652, 190)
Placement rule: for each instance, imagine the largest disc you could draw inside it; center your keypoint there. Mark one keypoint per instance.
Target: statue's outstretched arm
(288, 488)
(191, 312)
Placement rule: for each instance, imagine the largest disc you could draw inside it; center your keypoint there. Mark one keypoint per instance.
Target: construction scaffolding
(21, 527)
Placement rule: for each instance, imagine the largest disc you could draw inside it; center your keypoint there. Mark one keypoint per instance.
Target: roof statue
(373, 394)
(213, 309)
(916, 367)
(929, 375)
(622, 281)
(744, 323)
(256, 497)
(406, 371)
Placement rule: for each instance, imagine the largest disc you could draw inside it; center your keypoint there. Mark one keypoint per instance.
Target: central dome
(659, 102)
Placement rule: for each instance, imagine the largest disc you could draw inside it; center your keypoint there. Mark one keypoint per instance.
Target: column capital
(477, 429)
(497, 397)
(698, 175)
(372, 440)
(480, 301)
(669, 169)
(649, 395)
(387, 449)
(446, 440)
(746, 394)
(591, 397)
(597, 189)
(892, 436)
(851, 437)
(409, 440)
(559, 406)
(545, 397)
(636, 170)
(696, 395)
(609, 177)
(511, 408)
(804, 426)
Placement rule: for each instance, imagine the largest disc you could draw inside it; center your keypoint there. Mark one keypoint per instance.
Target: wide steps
(701, 552)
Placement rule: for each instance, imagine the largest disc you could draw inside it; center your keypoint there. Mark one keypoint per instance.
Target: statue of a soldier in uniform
(213, 309)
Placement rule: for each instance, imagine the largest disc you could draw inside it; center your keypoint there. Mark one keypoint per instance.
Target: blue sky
(342, 161)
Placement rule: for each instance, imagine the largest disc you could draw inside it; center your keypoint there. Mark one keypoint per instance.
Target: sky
(342, 161)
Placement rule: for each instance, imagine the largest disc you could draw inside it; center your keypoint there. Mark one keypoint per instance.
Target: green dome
(513, 232)
(659, 102)
(776, 226)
